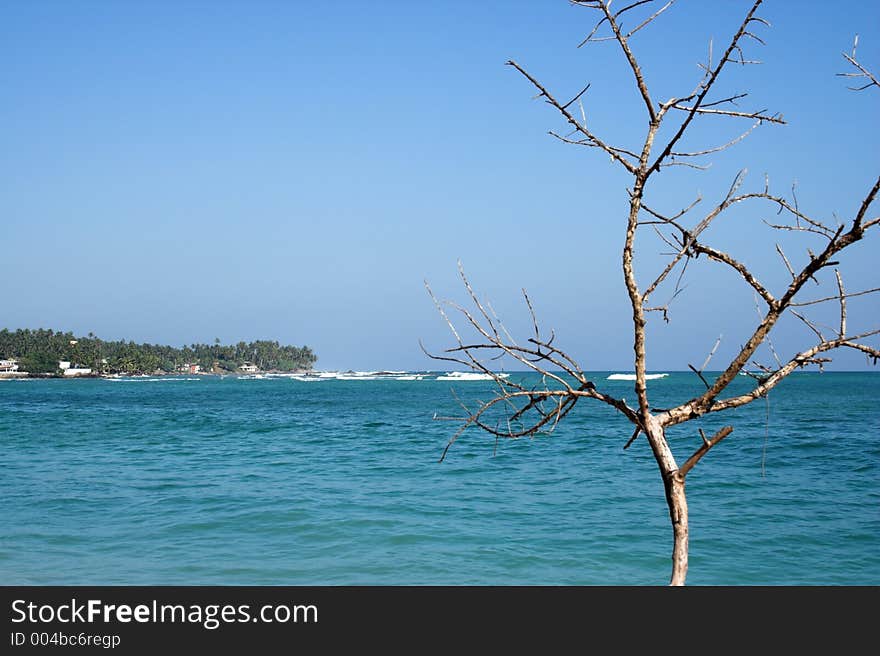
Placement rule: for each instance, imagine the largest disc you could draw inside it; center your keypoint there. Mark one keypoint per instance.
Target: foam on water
(633, 376)
(470, 376)
(158, 379)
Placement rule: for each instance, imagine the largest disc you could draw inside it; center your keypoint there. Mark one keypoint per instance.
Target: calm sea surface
(277, 481)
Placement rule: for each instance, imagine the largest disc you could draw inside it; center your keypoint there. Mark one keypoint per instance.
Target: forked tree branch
(737, 266)
(577, 125)
(688, 411)
(707, 444)
(698, 97)
(836, 244)
(862, 71)
(518, 411)
(630, 58)
(702, 368)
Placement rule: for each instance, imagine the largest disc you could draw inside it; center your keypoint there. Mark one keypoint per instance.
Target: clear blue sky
(178, 171)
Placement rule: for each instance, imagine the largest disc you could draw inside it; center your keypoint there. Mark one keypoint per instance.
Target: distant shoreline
(50, 353)
(310, 375)
(158, 374)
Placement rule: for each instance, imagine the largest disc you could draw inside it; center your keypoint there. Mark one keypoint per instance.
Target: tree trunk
(673, 483)
(678, 513)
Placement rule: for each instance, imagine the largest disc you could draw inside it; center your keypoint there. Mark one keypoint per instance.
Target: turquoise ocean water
(277, 481)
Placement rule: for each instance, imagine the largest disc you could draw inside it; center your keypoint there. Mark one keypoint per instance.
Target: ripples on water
(210, 481)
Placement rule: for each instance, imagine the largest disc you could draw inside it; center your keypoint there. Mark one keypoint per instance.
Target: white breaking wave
(139, 379)
(358, 375)
(469, 375)
(633, 376)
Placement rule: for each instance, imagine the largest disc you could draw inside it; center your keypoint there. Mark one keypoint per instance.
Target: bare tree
(515, 410)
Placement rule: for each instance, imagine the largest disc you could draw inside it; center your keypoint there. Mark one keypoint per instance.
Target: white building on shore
(73, 370)
(10, 369)
(8, 366)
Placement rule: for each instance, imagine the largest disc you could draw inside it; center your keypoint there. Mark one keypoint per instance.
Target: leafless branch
(863, 209)
(836, 243)
(785, 260)
(523, 411)
(747, 275)
(809, 324)
(760, 116)
(689, 165)
(862, 71)
(501, 323)
(842, 331)
(813, 224)
(636, 433)
(702, 368)
(666, 239)
(801, 359)
(716, 149)
(836, 297)
(824, 232)
(698, 97)
(703, 449)
(577, 97)
(580, 127)
(768, 339)
(689, 245)
(649, 19)
(590, 144)
(630, 58)
(730, 99)
(671, 219)
(689, 410)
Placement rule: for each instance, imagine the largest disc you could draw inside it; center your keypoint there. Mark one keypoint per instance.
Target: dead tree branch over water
(517, 411)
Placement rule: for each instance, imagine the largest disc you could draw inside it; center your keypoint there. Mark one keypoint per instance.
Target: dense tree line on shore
(39, 351)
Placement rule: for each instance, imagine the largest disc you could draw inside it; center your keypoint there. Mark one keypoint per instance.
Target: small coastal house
(8, 366)
(249, 368)
(70, 370)
(77, 371)
(190, 368)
